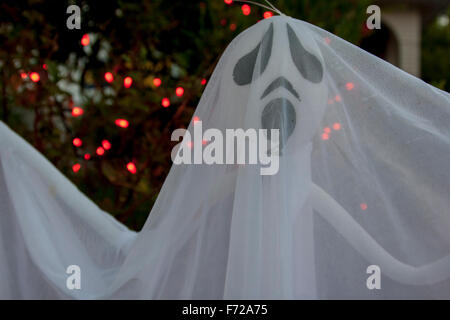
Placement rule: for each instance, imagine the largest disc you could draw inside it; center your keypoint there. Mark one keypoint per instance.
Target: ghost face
(275, 80)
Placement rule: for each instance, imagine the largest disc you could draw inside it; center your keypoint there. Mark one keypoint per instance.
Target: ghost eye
(307, 64)
(244, 68)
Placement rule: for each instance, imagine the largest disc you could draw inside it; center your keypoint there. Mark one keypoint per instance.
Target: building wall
(406, 27)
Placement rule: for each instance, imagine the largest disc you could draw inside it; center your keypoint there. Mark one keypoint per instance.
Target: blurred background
(101, 102)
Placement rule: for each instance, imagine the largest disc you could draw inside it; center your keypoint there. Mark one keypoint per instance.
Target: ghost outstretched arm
(343, 222)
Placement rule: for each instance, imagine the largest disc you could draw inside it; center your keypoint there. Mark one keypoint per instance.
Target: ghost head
(275, 79)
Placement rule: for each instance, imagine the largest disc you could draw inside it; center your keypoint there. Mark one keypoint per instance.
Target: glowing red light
(85, 40)
(106, 144)
(165, 102)
(77, 142)
(157, 82)
(268, 15)
(337, 126)
(87, 156)
(349, 86)
(131, 167)
(77, 111)
(122, 123)
(190, 144)
(35, 77)
(44, 66)
(363, 206)
(338, 98)
(100, 151)
(246, 9)
(196, 119)
(109, 77)
(76, 167)
(204, 142)
(325, 136)
(203, 81)
(327, 130)
(179, 91)
(233, 26)
(228, 1)
(127, 82)
(23, 75)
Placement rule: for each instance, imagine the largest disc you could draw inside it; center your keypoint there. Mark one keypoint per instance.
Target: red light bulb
(85, 40)
(76, 167)
(77, 142)
(165, 102)
(179, 91)
(127, 82)
(106, 144)
(246, 9)
(77, 111)
(35, 77)
(157, 82)
(131, 167)
(100, 151)
(109, 77)
(122, 123)
(268, 15)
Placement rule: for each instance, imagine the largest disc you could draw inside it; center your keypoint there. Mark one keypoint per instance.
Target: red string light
(203, 81)
(85, 40)
(363, 206)
(246, 9)
(165, 102)
(228, 1)
(35, 77)
(106, 144)
(76, 167)
(77, 111)
(131, 167)
(196, 119)
(268, 14)
(122, 123)
(325, 136)
(109, 77)
(337, 126)
(349, 86)
(100, 151)
(327, 130)
(127, 82)
(23, 75)
(179, 91)
(77, 142)
(157, 82)
(87, 156)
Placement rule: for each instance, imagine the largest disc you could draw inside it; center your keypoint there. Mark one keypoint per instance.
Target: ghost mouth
(279, 114)
(280, 82)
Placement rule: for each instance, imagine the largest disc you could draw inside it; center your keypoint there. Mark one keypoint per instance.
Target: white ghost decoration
(364, 180)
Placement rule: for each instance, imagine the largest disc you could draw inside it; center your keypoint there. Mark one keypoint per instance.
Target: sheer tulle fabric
(364, 179)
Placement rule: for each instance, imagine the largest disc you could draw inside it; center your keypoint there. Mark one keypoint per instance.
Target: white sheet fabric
(364, 180)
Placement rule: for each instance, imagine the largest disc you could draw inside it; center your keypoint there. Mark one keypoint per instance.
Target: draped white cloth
(364, 179)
